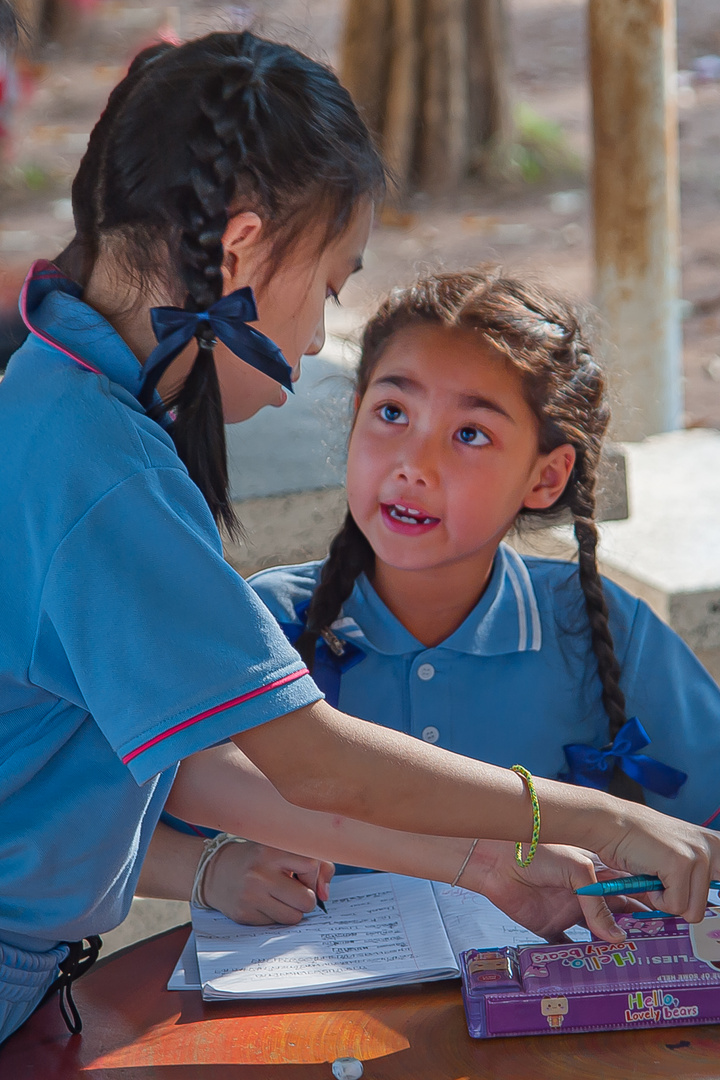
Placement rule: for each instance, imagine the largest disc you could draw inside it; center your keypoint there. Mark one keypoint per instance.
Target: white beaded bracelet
(210, 850)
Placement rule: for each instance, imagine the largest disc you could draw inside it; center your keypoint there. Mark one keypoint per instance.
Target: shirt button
(425, 672)
(430, 733)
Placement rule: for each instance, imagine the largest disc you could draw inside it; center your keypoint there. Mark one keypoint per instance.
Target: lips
(410, 520)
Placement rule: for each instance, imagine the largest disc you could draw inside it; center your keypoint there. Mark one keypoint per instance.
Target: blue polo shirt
(126, 641)
(517, 681)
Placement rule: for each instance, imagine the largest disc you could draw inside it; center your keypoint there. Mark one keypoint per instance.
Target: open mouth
(408, 515)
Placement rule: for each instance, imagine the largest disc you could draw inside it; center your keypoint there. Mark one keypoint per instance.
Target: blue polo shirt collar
(505, 620)
(52, 308)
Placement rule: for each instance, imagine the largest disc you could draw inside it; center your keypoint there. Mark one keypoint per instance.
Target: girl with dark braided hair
(226, 192)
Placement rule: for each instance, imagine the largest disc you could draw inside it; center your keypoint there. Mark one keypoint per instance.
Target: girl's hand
(684, 856)
(251, 883)
(540, 896)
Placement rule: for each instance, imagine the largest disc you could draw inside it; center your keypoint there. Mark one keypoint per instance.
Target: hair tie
(226, 320)
(205, 335)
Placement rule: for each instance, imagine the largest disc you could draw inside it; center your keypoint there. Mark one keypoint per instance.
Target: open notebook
(380, 930)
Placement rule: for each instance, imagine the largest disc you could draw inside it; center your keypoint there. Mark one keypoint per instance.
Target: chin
(247, 409)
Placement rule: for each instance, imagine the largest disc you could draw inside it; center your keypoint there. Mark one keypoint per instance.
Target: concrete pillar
(635, 200)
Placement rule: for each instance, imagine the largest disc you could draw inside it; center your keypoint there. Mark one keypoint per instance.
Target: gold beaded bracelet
(527, 777)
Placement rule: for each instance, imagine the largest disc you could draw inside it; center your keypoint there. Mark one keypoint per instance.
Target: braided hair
(542, 337)
(194, 134)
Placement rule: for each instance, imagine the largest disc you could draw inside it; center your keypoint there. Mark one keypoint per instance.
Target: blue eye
(472, 436)
(391, 413)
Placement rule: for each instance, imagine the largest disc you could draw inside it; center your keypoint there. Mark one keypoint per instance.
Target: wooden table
(137, 1030)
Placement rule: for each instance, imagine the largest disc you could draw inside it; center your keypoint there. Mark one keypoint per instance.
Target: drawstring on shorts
(79, 960)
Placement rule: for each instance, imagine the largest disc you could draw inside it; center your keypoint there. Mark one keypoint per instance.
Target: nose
(418, 463)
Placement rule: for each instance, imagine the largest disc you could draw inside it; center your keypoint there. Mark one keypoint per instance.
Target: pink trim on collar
(43, 268)
(211, 712)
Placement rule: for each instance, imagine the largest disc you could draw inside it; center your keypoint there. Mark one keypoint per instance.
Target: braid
(215, 147)
(350, 555)
(582, 504)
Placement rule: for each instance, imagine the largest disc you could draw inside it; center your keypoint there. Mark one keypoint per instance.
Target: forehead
(451, 359)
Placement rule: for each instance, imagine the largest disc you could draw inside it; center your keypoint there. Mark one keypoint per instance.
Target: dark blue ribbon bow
(593, 768)
(328, 668)
(228, 319)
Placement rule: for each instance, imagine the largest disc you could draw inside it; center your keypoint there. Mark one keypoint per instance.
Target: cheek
(244, 390)
(360, 476)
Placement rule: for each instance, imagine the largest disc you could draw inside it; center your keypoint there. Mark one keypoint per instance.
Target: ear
(550, 478)
(241, 245)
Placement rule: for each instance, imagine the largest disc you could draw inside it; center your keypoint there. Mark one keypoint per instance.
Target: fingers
(254, 884)
(270, 910)
(625, 905)
(325, 874)
(599, 918)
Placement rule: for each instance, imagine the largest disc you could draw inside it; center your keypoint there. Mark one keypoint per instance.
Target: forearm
(447, 795)
(321, 759)
(169, 867)
(221, 789)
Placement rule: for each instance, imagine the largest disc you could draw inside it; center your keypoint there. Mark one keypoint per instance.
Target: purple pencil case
(665, 974)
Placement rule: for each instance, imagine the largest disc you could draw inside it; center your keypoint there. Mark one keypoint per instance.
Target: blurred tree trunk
(431, 80)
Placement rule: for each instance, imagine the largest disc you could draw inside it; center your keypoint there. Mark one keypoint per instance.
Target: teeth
(408, 516)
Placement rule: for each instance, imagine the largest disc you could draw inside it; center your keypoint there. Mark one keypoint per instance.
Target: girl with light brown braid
(541, 338)
(478, 402)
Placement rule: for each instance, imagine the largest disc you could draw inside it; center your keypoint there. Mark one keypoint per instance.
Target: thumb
(599, 919)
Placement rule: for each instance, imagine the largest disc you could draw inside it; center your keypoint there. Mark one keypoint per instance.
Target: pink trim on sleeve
(710, 819)
(216, 709)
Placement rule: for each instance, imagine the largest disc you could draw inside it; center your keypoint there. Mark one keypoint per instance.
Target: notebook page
(473, 922)
(380, 930)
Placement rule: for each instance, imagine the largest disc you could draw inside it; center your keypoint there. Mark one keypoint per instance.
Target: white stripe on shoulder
(522, 617)
(530, 597)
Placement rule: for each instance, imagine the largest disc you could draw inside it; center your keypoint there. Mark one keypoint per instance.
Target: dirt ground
(541, 227)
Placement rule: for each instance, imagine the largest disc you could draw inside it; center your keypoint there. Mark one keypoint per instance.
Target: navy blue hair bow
(228, 319)
(593, 768)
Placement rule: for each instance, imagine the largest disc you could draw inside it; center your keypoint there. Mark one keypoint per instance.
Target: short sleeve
(145, 625)
(678, 703)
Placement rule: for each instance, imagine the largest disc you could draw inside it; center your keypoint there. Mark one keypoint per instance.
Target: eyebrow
(465, 401)
(357, 265)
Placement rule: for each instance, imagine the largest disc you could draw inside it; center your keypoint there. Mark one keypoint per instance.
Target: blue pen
(639, 884)
(653, 915)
